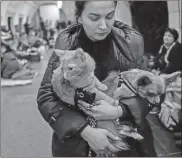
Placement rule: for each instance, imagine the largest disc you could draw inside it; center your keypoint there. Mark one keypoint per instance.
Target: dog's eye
(151, 94)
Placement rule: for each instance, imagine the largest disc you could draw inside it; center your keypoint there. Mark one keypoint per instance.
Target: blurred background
(29, 29)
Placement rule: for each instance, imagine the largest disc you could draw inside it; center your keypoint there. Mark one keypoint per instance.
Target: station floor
(24, 133)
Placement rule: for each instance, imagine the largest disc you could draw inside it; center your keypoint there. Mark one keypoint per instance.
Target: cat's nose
(66, 82)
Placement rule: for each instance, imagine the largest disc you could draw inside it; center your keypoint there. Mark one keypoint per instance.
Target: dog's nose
(157, 101)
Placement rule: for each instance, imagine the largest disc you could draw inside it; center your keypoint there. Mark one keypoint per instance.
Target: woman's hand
(101, 110)
(98, 139)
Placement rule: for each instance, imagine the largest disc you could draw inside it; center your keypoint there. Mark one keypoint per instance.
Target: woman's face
(98, 18)
(168, 38)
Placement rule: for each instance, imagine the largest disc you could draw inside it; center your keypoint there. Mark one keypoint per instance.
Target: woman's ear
(80, 20)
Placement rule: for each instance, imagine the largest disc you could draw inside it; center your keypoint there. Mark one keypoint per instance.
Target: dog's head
(147, 84)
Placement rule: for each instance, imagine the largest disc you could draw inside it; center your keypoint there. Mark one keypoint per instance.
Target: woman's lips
(102, 34)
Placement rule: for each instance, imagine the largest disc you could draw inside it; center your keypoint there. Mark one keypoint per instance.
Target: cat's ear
(80, 54)
(59, 52)
(144, 81)
(171, 77)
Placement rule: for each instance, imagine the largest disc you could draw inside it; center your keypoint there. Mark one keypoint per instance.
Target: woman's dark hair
(174, 32)
(79, 6)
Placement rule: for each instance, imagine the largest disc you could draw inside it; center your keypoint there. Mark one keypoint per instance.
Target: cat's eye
(70, 69)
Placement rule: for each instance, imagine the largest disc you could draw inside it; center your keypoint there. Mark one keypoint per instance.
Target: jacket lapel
(122, 45)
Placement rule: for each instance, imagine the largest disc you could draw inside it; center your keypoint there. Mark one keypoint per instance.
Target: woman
(114, 46)
(169, 58)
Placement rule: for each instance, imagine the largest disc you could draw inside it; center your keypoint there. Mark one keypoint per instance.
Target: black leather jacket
(66, 122)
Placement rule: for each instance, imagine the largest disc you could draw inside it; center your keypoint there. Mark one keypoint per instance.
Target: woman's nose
(165, 38)
(103, 24)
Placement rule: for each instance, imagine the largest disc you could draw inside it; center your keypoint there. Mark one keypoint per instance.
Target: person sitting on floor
(11, 67)
(32, 39)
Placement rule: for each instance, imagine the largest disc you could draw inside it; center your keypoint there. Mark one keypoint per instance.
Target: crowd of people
(16, 52)
(20, 48)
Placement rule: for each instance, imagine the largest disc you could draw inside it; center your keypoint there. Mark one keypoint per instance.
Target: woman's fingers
(98, 102)
(88, 112)
(84, 104)
(112, 148)
(112, 136)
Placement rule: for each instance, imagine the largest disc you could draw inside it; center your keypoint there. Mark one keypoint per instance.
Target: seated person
(11, 68)
(32, 38)
(169, 58)
(23, 41)
(5, 34)
(17, 47)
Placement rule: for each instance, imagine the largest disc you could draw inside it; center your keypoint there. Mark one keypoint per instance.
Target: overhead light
(59, 4)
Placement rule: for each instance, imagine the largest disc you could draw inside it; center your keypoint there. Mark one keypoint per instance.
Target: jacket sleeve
(68, 122)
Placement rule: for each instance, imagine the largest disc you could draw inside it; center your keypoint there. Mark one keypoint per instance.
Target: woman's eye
(94, 18)
(110, 16)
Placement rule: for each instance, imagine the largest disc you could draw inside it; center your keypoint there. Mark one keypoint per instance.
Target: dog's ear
(144, 81)
(168, 78)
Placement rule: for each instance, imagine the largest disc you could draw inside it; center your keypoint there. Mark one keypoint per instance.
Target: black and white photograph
(91, 79)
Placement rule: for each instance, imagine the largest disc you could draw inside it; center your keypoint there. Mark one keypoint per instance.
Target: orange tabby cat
(76, 70)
